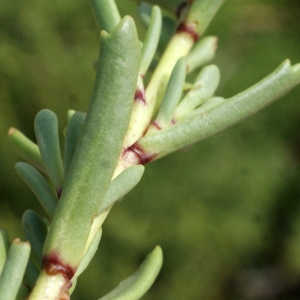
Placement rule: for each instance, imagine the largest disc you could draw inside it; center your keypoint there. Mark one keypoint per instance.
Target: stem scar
(53, 266)
(189, 29)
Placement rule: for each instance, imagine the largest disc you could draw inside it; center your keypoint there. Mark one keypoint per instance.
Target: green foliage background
(228, 204)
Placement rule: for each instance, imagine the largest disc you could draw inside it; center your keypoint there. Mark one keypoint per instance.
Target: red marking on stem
(140, 96)
(154, 123)
(141, 154)
(189, 29)
(53, 266)
(173, 121)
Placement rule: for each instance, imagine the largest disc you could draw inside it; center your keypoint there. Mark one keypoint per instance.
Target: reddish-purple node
(53, 265)
(143, 156)
(140, 96)
(189, 29)
(155, 124)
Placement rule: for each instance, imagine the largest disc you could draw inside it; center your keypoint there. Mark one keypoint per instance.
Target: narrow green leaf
(99, 146)
(46, 131)
(71, 112)
(144, 12)
(106, 14)
(171, 5)
(72, 136)
(88, 256)
(39, 186)
(31, 275)
(204, 87)
(210, 103)
(4, 244)
(135, 286)
(14, 268)
(172, 95)
(167, 31)
(122, 185)
(74, 283)
(23, 293)
(151, 40)
(228, 113)
(35, 231)
(201, 14)
(202, 53)
(26, 149)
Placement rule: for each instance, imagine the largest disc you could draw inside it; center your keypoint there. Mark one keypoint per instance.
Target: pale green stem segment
(99, 147)
(228, 113)
(135, 286)
(171, 98)
(202, 53)
(31, 275)
(35, 232)
(72, 136)
(122, 185)
(204, 87)
(106, 14)
(14, 268)
(88, 256)
(26, 149)
(151, 40)
(4, 245)
(46, 131)
(50, 289)
(39, 186)
(179, 46)
(201, 13)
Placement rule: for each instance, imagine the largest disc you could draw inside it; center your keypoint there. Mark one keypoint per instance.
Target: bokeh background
(227, 211)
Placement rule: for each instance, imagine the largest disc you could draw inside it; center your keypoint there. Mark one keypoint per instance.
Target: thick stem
(179, 46)
(49, 286)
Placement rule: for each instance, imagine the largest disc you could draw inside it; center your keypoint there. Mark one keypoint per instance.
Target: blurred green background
(227, 211)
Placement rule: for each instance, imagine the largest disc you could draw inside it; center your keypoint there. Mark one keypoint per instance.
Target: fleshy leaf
(106, 14)
(205, 85)
(26, 149)
(228, 113)
(99, 146)
(46, 131)
(4, 245)
(31, 275)
(200, 15)
(135, 286)
(121, 185)
(14, 268)
(39, 186)
(151, 39)
(88, 256)
(202, 53)
(171, 97)
(72, 136)
(35, 231)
